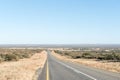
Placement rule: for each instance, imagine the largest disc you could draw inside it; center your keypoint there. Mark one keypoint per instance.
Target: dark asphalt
(59, 70)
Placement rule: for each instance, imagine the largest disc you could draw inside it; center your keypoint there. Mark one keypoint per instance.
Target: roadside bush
(66, 53)
(88, 55)
(57, 51)
(11, 57)
(118, 57)
(25, 55)
(110, 57)
(2, 56)
(76, 57)
(19, 55)
(101, 57)
(1, 59)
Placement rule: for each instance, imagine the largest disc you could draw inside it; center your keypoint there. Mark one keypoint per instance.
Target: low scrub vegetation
(16, 54)
(111, 56)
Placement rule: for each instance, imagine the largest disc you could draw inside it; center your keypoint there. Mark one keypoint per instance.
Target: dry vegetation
(100, 55)
(16, 54)
(25, 68)
(109, 65)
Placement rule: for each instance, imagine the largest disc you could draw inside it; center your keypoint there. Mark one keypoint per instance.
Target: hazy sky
(59, 21)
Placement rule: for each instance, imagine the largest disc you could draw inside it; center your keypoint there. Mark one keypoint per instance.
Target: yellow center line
(47, 73)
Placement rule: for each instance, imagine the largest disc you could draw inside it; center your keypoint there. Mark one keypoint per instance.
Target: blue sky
(59, 21)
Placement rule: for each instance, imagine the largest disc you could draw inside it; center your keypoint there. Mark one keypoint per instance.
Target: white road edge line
(77, 71)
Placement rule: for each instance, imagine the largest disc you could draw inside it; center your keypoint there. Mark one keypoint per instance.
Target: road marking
(77, 71)
(47, 71)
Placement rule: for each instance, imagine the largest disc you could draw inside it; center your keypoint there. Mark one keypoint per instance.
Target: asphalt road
(58, 70)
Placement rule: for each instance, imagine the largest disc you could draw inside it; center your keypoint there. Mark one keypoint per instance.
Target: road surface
(58, 70)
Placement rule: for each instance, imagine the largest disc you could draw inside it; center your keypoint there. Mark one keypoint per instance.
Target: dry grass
(110, 66)
(23, 69)
(105, 65)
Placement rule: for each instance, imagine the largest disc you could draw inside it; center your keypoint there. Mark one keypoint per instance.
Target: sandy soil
(110, 66)
(23, 69)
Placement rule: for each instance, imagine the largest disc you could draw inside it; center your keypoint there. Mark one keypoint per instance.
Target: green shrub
(101, 57)
(88, 55)
(11, 57)
(109, 57)
(57, 51)
(25, 55)
(118, 57)
(66, 53)
(76, 56)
